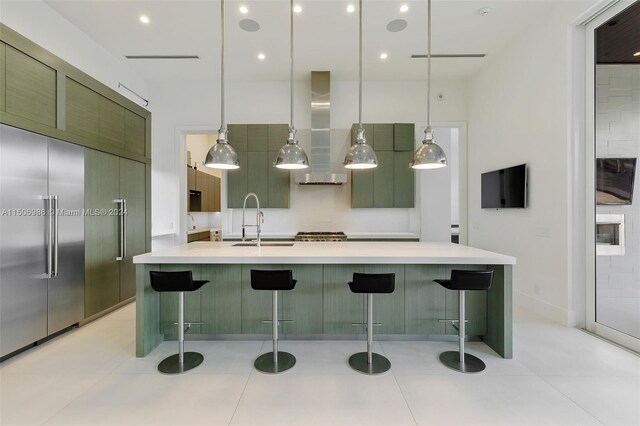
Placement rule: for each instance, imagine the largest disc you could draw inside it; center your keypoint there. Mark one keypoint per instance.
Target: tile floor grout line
(245, 385)
(570, 399)
(404, 397)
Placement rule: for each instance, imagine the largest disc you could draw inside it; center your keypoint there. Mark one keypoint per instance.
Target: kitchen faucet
(193, 221)
(259, 216)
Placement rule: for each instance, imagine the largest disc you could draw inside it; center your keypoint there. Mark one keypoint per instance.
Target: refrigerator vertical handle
(121, 249)
(54, 200)
(123, 213)
(49, 234)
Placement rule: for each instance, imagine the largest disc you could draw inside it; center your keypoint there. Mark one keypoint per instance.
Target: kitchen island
(321, 305)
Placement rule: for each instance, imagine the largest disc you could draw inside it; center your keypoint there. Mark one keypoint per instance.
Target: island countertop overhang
(326, 253)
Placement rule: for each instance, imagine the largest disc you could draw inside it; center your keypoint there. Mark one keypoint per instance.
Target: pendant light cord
(291, 59)
(360, 64)
(222, 123)
(428, 65)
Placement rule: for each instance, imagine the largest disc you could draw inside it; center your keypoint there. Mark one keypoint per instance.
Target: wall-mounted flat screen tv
(614, 180)
(505, 188)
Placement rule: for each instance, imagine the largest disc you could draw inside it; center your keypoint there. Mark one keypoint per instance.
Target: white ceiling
(325, 36)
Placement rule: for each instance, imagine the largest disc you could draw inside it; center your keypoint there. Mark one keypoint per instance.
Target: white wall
(519, 112)
(194, 106)
(35, 20)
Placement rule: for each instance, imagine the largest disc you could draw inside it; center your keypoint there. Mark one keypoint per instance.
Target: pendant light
(430, 155)
(222, 155)
(360, 155)
(291, 156)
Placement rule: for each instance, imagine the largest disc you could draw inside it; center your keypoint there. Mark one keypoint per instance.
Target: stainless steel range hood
(321, 134)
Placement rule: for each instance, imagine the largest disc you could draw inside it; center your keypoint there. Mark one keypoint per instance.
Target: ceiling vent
(162, 56)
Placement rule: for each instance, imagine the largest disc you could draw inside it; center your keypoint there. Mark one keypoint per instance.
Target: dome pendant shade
(222, 155)
(361, 155)
(430, 155)
(291, 156)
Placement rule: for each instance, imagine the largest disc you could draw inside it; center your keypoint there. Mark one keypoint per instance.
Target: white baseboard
(545, 309)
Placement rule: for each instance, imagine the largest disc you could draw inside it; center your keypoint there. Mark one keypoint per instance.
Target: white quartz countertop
(327, 253)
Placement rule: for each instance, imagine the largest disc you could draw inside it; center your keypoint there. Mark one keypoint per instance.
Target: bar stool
(369, 362)
(274, 281)
(179, 282)
(462, 281)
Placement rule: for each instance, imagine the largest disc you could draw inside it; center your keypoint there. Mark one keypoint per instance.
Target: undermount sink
(263, 244)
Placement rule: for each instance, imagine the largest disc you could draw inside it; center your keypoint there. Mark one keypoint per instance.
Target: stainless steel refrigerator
(41, 237)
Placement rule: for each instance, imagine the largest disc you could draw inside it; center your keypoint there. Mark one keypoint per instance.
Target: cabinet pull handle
(121, 246)
(49, 235)
(54, 199)
(123, 213)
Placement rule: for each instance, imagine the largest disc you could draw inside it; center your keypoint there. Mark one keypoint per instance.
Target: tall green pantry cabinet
(41, 93)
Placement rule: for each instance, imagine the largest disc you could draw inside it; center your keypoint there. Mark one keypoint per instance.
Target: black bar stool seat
(179, 282)
(370, 362)
(274, 281)
(462, 281)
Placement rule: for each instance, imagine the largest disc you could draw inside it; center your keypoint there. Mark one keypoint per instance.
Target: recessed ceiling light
(404, 8)
(249, 25)
(351, 8)
(261, 56)
(297, 8)
(637, 53)
(144, 19)
(244, 10)
(384, 55)
(397, 25)
(484, 11)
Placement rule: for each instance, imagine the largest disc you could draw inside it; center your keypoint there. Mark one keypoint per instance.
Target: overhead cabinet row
(41, 93)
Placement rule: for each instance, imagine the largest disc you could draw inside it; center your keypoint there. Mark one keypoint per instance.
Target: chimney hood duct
(321, 134)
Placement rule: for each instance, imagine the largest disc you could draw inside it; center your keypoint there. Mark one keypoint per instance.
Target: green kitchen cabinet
(257, 137)
(102, 271)
(111, 123)
(383, 180)
(383, 137)
(222, 297)
(3, 75)
(278, 184)
(83, 111)
(109, 281)
(257, 177)
(341, 307)
(403, 180)
(424, 300)
(238, 136)
(303, 305)
(30, 88)
(362, 188)
(237, 182)
(404, 136)
(392, 183)
(132, 189)
(134, 133)
(256, 173)
(277, 135)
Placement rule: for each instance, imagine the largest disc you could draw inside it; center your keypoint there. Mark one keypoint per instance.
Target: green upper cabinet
(257, 136)
(30, 88)
(83, 111)
(257, 146)
(383, 137)
(238, 136)
(278, 185)
(403, 136)
(111, 123)
(237, 183)
(277, 135)
(134, 132)
(3, 75)
(41, 93)
(392, 183)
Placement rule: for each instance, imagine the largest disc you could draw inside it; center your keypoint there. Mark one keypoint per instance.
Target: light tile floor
(90, 376)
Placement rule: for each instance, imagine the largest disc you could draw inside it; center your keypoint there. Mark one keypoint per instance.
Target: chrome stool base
(379, 364)
(265, 364)
(471, 363)
(171, 365)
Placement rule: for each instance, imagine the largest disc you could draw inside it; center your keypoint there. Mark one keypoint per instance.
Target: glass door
(614, 299)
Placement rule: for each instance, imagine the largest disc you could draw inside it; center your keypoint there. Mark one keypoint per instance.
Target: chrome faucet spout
(259, 216)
